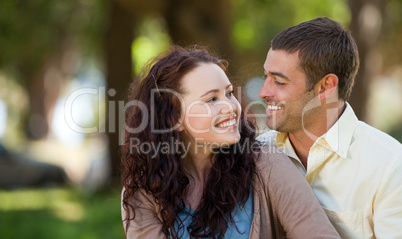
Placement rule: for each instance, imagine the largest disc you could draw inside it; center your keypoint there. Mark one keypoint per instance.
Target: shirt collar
(282, 142)
(280, 139)
(338, 137)
(340, 134)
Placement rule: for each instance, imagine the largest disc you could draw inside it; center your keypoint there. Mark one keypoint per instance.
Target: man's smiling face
(285, 92)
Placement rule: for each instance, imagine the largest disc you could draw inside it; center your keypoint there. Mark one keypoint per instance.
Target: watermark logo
(150, 114)
(173, 146)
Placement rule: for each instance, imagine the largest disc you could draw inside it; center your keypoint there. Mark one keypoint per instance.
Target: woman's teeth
(227, 123)
(274, 107)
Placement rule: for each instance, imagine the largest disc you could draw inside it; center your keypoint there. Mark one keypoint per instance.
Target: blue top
(242, 216)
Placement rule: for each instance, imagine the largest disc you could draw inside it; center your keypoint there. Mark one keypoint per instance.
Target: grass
(59, 213)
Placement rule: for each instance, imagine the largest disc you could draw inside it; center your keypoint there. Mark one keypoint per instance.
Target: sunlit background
(66, 65)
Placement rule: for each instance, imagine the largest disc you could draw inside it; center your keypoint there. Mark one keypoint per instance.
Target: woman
(192, 167)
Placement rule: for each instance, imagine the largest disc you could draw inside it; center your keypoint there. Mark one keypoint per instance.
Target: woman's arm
(146, 224)
(293, 200)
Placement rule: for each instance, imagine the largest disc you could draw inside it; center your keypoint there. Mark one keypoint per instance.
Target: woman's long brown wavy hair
(164, 176)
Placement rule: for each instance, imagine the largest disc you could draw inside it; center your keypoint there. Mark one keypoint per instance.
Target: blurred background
(65, 67)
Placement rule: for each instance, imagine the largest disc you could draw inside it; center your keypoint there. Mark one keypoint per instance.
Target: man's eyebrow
(279, 75)
(214, 90)
(276, 74)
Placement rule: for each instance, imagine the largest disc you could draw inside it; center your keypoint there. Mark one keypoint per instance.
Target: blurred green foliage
(152, 39)
(60, 213)
(257, 22)
(30, 30)
(392, 23)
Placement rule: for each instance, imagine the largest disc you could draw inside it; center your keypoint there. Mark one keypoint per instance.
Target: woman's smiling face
(212, 113)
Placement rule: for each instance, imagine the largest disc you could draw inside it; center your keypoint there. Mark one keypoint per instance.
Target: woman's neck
(198, 165)
(198, 162)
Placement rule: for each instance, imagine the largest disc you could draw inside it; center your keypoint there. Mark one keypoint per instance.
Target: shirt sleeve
(299, 212)
(387, 216)
(146, 224)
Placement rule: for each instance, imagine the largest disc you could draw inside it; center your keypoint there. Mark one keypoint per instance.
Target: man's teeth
(274, 107)
(227, 123)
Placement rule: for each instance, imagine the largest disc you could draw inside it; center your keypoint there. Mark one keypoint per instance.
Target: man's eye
(212, 99)
(279, 83)
(264, 76)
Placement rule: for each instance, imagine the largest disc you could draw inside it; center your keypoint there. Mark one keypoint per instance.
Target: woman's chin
(228, 141)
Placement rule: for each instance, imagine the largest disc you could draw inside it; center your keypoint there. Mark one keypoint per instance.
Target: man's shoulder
(372, 139)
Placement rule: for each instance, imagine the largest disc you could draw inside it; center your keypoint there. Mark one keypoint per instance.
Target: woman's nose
(228, 107)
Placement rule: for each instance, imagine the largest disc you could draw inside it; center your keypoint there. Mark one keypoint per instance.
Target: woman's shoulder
(272, 165)
(269, 156)
(140, 196)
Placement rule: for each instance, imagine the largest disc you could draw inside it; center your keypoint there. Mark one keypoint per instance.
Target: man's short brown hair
(324, 47)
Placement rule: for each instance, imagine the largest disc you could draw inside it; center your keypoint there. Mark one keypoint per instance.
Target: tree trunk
(44, 85)
(365, 26)
(203, 22)
(119, 37)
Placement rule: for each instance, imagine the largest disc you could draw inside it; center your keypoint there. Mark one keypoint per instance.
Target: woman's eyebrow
(210, 91)
(214, 90)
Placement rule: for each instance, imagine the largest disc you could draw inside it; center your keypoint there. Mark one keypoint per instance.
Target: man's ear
(326, 87)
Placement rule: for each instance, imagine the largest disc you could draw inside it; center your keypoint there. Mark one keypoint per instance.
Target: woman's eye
(212, 99)
(230, 93)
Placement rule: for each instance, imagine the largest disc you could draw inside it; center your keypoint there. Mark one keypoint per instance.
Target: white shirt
(355, 172)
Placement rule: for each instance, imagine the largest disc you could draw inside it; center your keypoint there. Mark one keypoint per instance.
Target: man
(354, 169)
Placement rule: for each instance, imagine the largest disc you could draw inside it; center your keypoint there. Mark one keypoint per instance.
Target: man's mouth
(274, 107)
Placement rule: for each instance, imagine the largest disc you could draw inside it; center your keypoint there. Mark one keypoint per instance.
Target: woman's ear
(181, 126)
(327, 86)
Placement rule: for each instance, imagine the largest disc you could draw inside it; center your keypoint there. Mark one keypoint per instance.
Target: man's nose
(266, 91)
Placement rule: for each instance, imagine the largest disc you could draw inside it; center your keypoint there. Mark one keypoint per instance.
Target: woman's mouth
(226, 124)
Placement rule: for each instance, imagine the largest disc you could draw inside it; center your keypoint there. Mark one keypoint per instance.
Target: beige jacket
(284, 205)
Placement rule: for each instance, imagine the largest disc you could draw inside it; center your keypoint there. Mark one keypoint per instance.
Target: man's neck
(301, 144)
(303, 140)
